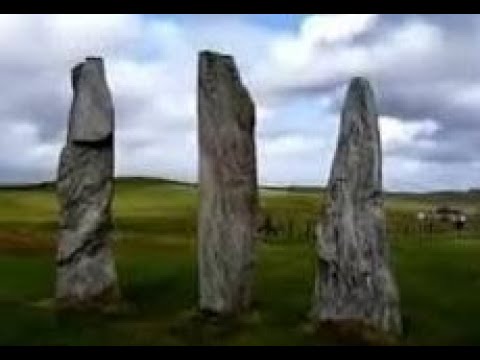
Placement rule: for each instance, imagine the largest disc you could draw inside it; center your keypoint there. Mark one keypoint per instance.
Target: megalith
(228, 208)
(86, 274)
(354, 280)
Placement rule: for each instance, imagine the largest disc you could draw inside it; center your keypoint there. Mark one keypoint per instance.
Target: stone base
(108, 301)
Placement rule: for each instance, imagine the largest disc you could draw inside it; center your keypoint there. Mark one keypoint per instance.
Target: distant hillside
(122, 180)
(29, 186)
(305, 189)
(437, 196)
(152, 180)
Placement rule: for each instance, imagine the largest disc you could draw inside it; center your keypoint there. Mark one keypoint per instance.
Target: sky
(424, 69)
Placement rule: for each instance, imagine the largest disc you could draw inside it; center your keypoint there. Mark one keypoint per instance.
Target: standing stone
(354, 280)
(227, 221)
(86, 273)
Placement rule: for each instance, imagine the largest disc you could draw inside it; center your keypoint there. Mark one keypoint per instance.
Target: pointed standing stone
(354, 280)
(86, 274)
(228, 186)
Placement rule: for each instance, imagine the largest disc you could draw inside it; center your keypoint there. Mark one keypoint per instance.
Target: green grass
(438, 274)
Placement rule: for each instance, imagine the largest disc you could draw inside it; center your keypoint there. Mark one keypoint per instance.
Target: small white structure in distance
(421, 216)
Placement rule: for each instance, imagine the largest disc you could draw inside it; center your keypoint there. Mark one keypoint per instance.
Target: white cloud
(319, 50)
(397, 134)
(22, 150)
(330, 28)
(468, 96)
(289, 145)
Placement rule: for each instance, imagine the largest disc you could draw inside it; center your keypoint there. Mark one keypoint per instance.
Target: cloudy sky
(425, 70)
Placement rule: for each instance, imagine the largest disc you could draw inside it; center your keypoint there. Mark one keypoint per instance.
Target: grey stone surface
(228, 210)
(86, 274)
(91, 116)
(354, 280)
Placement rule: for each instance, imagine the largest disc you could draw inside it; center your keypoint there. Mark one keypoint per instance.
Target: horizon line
(264, 186)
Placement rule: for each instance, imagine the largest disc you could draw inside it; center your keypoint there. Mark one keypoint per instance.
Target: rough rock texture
(354, 280)
(86, 273)
(227, 223)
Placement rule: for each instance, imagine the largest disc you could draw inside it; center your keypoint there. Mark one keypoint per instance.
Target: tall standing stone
(227, 222)
(86, 274)
(354, 280)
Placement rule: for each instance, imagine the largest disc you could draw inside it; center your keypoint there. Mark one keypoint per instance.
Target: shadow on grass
(353, 333)
(196, 327)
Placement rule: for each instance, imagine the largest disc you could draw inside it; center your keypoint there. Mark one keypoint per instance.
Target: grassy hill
(438, 271)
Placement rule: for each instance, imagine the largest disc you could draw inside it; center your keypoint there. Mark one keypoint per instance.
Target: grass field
(438, 273)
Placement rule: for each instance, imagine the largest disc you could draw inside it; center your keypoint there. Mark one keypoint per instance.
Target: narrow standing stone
(354, 280)
(227, 221)
(86, 274)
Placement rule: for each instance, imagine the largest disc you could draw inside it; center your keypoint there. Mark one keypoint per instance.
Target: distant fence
(405, 226)
(400, 226)
(287, 227)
